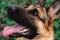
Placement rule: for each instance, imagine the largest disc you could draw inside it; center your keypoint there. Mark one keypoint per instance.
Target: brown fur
(45, 30)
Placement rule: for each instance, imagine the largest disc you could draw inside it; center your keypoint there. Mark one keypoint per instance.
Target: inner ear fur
(54, 8)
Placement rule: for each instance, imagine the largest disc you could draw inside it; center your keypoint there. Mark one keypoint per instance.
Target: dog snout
(11, 8)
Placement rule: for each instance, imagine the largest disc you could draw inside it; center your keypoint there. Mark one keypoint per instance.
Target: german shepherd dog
(34, 22)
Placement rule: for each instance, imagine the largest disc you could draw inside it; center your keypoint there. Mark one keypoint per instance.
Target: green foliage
(9, 21)
(1, 38)
(48, 3)
(3, 14)
(57, 29)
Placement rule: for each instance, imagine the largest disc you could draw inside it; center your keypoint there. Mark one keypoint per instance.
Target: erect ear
(41, 2)
(54, 9)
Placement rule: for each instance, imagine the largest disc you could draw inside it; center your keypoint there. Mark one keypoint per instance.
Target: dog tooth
(19, 31)
(23, 30)
(24, 33)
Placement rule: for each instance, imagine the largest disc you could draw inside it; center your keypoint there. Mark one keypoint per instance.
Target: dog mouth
(17, 28)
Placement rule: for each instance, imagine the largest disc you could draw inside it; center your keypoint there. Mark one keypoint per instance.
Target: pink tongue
(10, 30)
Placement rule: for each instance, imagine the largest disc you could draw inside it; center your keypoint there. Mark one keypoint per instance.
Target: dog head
(24, 18)
(33, 20)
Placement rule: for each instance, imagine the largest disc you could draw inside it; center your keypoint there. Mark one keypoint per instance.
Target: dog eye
(34, 12)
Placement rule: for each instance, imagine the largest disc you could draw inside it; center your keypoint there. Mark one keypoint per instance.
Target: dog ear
(54, 9)
(41, 2)
(54, 12)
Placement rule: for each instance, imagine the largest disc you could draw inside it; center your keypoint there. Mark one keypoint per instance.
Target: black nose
(11, 8)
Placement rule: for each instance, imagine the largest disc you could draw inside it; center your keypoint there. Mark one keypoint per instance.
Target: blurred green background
(4, 19)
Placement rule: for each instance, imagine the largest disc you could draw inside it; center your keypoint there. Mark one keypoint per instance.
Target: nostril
(11, 8)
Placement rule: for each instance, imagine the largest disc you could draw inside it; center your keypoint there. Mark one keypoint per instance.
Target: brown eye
(34, 12)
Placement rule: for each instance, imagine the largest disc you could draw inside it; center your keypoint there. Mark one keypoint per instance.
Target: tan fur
(45, 31)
